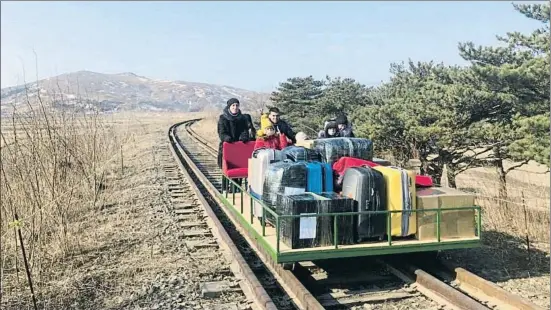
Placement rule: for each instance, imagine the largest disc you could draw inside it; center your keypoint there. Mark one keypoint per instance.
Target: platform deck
(286, 254)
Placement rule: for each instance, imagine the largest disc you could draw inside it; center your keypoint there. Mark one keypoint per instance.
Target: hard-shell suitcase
(331, 149)
(257, 170)
(272, 154)
(346, 225)
(283, 177)
(299, 153)
(261, 159)
(304, 232)
(367, 186)
(400, 186)
(319, 178)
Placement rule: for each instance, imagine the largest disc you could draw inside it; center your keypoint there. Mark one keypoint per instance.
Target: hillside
(126, 92)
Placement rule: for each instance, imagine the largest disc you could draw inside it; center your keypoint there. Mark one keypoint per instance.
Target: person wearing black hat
(344, 127)
(329, 131)
(233, 126)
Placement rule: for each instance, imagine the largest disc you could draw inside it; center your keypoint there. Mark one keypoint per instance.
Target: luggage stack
(299, 180)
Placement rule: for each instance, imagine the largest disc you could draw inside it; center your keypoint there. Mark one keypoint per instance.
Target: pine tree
(297, 98)
(341, 95)
(513, 97)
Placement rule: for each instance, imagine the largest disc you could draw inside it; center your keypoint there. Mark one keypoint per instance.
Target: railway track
(200, 243)
(335, 284)
(198, 162)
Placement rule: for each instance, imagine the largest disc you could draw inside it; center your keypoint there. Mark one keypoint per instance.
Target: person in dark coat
(330, 131)
(233, 126)
(344, 126)
(280, 125)
(252, 130)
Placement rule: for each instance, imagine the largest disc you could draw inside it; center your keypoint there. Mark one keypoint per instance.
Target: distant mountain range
(126, 92)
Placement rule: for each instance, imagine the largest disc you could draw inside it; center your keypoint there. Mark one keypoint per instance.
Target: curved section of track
(199, 161)
(336, 284)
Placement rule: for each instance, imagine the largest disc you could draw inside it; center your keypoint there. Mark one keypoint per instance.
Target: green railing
(336, 215)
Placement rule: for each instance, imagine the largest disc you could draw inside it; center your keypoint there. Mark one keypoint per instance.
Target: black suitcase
(332, 149)
(367, 186)
(346, 224)
(283, 177)
(298, 233)
(300, 153)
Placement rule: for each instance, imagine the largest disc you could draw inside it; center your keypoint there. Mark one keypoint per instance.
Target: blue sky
(252, 45)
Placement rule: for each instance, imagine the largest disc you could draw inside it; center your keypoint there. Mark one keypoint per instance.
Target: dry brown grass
(208, 127)
(59, 173)
(59, 163)
(525, 211)
(47, 180)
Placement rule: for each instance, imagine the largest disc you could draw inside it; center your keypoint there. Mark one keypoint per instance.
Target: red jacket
(276, 142)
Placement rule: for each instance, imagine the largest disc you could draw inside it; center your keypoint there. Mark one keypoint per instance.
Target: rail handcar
(268, 230)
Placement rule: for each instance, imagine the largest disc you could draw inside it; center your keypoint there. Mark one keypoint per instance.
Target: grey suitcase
(367, 187)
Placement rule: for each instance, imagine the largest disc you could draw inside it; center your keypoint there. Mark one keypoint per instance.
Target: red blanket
(344, 163)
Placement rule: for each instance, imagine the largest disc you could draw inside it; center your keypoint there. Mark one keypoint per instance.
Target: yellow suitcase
(400, 184)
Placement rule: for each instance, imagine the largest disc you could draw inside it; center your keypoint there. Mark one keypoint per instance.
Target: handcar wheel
(289, 266)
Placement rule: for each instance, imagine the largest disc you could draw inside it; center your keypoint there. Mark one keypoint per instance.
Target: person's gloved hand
(244, 137)
(227, 139)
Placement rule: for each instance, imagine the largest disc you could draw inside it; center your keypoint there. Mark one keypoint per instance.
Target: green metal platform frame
(336, 252)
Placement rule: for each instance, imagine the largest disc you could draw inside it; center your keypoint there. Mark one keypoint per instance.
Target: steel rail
(238, 263)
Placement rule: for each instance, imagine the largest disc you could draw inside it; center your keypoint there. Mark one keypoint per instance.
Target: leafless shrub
(53, 168)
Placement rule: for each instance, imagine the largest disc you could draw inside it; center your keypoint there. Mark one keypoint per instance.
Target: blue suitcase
(319, 177)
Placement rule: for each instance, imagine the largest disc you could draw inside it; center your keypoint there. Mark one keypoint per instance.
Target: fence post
(122, 161)
(526, 230)
(27, 268)
(444, 182)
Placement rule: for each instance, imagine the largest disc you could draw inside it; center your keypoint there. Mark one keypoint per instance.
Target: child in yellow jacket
(264, 123)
